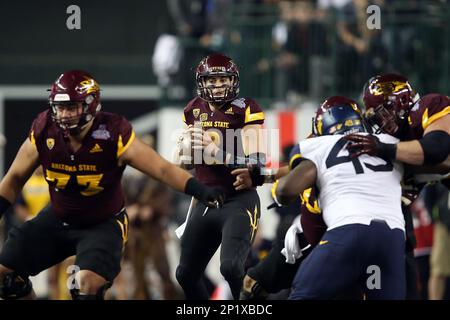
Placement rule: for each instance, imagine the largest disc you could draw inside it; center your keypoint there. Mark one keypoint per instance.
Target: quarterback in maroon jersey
(83, 152)
(220, 126)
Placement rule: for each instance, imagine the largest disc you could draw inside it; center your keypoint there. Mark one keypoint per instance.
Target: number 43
(334, 160)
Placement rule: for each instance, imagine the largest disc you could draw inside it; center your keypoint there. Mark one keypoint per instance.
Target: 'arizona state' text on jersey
(85, 186)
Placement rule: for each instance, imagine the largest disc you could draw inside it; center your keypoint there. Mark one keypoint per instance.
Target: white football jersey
(358, 190)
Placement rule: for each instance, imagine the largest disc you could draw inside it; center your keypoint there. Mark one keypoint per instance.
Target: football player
(83, 153)
(225, 130)
(422, 124)
(361, 208)
(277, 271)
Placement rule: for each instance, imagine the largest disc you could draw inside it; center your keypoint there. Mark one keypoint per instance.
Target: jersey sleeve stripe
(122, 148)
(273, 192)
(293, 158)
(184, 118)
(249, 117)
(32, 140)
(426, 121)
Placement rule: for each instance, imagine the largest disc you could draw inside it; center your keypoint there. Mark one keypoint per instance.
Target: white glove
(292, 250)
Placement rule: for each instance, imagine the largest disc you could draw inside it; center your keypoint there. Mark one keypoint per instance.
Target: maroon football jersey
(223, 126)
(428, 109)
(85, 186)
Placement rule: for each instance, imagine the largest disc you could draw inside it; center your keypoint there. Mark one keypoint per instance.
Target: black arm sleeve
(435, 146)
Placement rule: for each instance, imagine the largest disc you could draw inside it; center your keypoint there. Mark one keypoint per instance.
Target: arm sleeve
(295, 157)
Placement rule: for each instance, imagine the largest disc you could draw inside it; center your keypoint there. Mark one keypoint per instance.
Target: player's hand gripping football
(371, 145)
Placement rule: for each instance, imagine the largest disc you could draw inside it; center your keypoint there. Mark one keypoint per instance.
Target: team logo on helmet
(388, 99)
(383, 88)
(89, 85)
(74, 87)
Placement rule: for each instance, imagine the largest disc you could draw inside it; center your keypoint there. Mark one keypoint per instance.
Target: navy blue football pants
(371, 255)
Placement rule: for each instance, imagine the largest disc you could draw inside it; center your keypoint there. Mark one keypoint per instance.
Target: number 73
(90, 181)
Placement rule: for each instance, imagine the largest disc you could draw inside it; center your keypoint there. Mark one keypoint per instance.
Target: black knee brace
(100, 295)
(15, 286)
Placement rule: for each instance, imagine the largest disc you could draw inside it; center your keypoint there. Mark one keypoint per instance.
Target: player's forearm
(441, 168)
(410, 152)
(10, 187)
(433, 148)
(301, 177)
(24, 164)
(174, 176)
(183, 181)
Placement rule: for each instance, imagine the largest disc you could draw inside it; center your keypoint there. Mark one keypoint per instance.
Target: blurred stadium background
(291, 54)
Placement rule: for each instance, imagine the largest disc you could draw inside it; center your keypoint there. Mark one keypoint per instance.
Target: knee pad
(99, 295)
(15, 286)
(231, 269)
